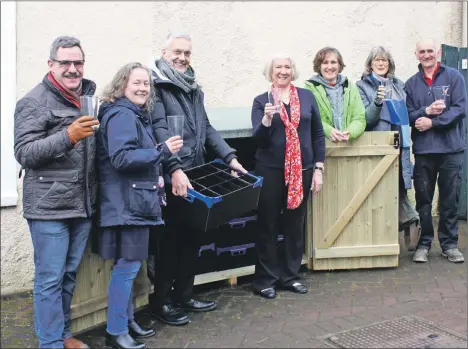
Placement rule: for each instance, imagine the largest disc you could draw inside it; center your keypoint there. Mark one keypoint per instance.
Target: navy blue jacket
(447, 134)
(271, 140)
(128, 162)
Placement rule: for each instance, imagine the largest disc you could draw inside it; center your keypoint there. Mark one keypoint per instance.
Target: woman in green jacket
(341, 108)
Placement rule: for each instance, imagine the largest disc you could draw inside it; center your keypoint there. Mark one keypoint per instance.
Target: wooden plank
(94, 304)
(367, 138)
(99, 317)
(357, 251)
(368, 150)
(356, 263)
(357, 201)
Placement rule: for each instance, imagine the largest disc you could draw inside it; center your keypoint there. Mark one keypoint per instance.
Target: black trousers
(271, 268)
(446, 169)
(174, 269)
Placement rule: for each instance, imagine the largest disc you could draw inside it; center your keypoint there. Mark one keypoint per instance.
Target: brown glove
(81, 128)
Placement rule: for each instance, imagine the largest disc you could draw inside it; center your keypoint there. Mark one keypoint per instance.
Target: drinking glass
(387, 88)
(89, 107)
(440, 92)
(175, 124)
(274, 97)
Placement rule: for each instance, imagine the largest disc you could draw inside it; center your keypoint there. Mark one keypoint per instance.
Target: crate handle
(238, 252)
(209, 201)
(237, 225)
(210, 247)
(258, 183)
(190, 197)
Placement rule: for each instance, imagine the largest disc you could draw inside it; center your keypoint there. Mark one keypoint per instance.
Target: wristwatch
(320, 168)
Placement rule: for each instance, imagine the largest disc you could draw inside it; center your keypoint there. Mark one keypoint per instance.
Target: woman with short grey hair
(379, 77)
(379, 70)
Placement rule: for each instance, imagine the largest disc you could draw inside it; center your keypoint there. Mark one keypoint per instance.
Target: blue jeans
(120, 298)
(58, 249)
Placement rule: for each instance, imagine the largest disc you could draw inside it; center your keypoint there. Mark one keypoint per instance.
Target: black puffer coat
(172, 100)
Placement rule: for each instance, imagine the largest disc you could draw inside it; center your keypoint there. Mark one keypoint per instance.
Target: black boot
(124, 341)
(136, 331)
(170, 315)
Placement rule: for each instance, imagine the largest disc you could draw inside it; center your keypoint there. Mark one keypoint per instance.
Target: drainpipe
(464, 24)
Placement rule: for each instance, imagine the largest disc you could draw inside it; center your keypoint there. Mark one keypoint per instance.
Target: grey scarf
(335, 96)
(186, 80)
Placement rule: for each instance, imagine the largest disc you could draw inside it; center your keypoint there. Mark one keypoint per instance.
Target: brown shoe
(73, 343)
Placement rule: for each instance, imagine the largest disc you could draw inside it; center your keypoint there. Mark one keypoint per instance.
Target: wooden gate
(354, 219)
(89, 306)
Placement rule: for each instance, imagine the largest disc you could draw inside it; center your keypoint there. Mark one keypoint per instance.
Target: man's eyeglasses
(67, 64)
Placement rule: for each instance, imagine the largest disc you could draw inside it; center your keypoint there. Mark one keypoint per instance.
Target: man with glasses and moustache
(438, 134)
(56, 147)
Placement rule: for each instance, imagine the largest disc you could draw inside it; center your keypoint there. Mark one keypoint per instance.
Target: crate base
(229, 275)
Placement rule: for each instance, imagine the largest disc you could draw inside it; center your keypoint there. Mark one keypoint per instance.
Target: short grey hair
(379, 51)
(64, 42)
(268, 70)
(172, 36)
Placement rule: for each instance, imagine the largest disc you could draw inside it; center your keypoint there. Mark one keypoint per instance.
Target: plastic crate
(235, 243)
(231, 245)
(217, 196)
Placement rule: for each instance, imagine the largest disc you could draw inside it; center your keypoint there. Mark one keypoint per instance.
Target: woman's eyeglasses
(380, 60)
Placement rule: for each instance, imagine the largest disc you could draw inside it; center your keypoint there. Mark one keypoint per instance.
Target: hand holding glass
(274, 97)
(387, 89)
(440, 93)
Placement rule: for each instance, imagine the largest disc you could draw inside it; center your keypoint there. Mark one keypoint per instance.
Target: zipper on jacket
(172, 98)
(197, 136)
(87, 200)
(326, 102)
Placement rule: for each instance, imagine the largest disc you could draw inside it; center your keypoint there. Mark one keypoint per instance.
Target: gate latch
(396, 140)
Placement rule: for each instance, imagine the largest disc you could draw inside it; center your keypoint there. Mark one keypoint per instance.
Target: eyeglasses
(380, 60)
(67, 64)
(185, 53)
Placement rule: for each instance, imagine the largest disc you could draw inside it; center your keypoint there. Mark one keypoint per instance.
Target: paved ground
(337, 301)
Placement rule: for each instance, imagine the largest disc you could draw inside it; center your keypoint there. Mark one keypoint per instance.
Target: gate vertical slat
(452, 57)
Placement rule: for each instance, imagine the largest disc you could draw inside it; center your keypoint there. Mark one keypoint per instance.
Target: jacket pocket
(143, 199)
(56, 190)
(185, 152)
(65, 113)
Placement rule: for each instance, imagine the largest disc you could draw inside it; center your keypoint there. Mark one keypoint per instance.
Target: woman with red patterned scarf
(290, 153)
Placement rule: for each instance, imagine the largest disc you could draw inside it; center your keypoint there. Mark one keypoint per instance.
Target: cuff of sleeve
(229, 157)
(423, 112)
(435, 122)
(174, 167)
(378, 105)
(66, 140)
(165, 149)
